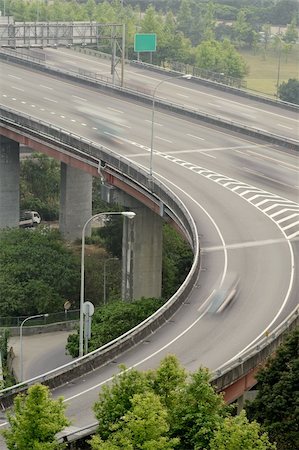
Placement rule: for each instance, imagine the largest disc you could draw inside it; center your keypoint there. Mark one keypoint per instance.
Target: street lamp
(165, 80)
(129, 215)
(104, 277)
(21, 340)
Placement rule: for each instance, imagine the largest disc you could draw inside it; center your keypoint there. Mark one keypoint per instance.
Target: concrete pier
(75, 202)
(142, 251)
(9, 183)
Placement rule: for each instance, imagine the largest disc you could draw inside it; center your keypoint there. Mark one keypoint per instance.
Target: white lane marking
(115, 110)
(249, 244)
(214, 104)
(46, 87)
(33, 106)
(287, 218)
(156, 123)
(83, 124)
(162, 139)
(80, 98)
(42, 109)
(4, 95)
(284, 126)
(291, 225)
(50, 100)
(23, 102)
(14, 76)
(73, 120)
(63, 117)
(94, 128)
(195, 137)
(17, 88)
(14, 99)
(182, 95)
(210, 156)
(53, 113)
(248, 115)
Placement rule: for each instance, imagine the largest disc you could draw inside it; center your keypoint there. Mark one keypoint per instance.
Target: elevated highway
(242, 194)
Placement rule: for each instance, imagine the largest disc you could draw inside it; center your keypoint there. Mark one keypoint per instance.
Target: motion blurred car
(108, 123)
(225, 294)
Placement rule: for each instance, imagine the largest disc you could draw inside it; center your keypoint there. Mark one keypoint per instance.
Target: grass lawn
(263, 72)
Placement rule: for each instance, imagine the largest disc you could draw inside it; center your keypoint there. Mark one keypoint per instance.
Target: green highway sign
(145, 42)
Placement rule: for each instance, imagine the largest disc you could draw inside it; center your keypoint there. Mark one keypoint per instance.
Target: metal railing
(58, 317)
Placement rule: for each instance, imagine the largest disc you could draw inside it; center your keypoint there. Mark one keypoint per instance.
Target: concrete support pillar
(75, 202)
(9, 183)
(142, 251)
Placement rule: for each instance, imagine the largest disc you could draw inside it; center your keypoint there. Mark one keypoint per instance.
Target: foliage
(114, 319)
(39, 185)
(8, 378)
(177, 259)
(289, 91)
(37, 272)
(276, 404)
(220, 57)
(35, 420)
(185, 408)
(143, 427)
(236, 430)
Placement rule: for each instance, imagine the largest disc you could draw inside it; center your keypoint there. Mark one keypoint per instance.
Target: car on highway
(225, 294)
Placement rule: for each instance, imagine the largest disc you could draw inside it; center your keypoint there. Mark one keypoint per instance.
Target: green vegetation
(8, 378)
(289, 92)
(112, 320)
(35, 420)
(276, 404)
(38, 273)
(168, 408)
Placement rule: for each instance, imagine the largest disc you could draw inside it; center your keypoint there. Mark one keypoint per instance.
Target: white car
(225, 294)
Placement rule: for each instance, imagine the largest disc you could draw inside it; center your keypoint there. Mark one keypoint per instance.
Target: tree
(197, 412)
(289, 91)
(37, 272)
(220, 57)
(291, 34)
(235, 430)
(35, 420)
(143, 427)
(39, 185)
(276, 404)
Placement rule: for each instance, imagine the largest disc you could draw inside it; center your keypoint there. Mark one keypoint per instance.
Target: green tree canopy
(276, 404)
(35, 420)
(236, 431)
(37, 272)
(289, 91)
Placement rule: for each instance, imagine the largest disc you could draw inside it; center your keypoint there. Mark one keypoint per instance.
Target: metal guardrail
(62, 316)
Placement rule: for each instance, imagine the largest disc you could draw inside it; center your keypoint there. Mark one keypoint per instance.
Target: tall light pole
(165, 80)
(104, 277)
(129, 215)
(21, 340)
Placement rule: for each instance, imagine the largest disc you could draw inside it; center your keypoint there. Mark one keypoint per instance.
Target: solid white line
(17, 88)
(290, 225)
(182, 95)
(46, 87)
(287, 218)
(115, 110)
(196, 137)
(206, 154)
(80, 98)
(50, 100)
(284, 126)
(162, 139)
(291, 236)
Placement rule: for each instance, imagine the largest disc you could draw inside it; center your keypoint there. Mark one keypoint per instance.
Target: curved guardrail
(94, 154)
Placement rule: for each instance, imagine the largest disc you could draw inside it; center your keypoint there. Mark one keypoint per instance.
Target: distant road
(207, 99)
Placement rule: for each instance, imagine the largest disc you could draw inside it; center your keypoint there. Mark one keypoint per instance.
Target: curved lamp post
(165, 80)
(21, 340)
(129, 215)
